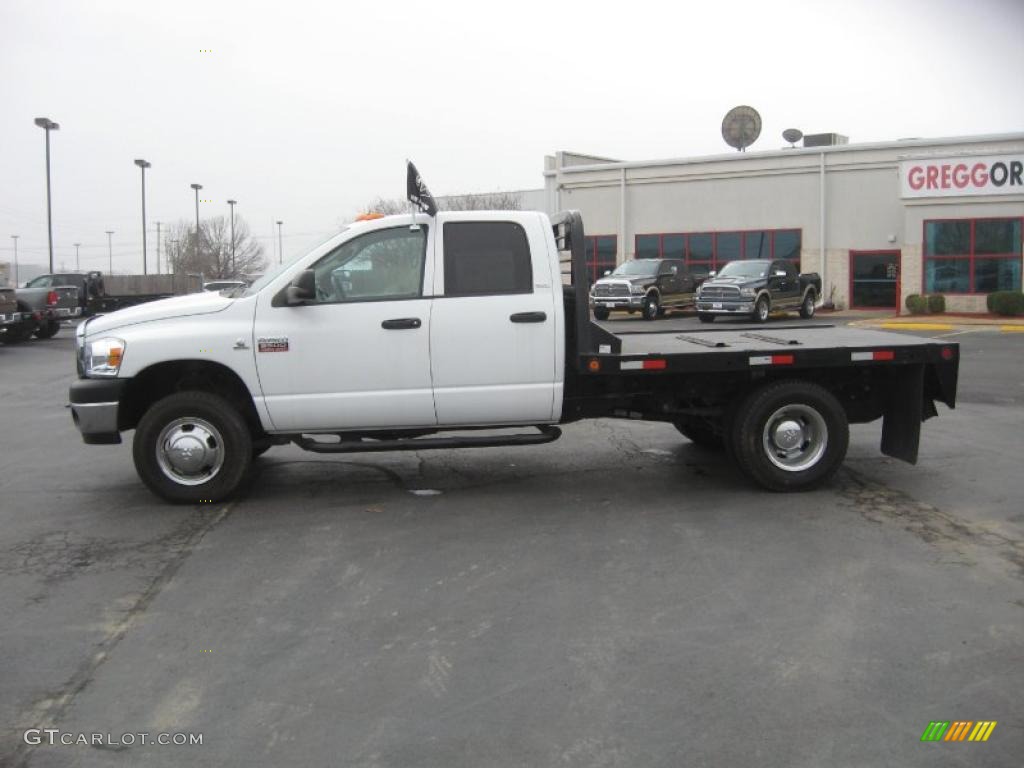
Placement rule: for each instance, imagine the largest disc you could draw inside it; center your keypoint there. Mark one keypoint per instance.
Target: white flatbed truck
(420, 331)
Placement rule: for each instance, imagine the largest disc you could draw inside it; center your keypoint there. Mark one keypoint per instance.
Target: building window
(601, 250)
(486, 257)
(972, 255)
(704, 251)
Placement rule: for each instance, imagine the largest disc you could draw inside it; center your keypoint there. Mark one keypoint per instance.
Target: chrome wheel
(190, 451)
(762, 311)
(795, 437)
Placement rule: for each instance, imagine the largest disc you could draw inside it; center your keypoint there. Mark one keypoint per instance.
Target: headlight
(748, 292)
(637, 289)
(103, 356)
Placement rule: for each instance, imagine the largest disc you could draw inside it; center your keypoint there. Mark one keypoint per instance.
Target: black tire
(652, 307)
(705, 317)
(805, 413)
(16, 334)
(601, 313)
(699, 432)
(761, 310)
(48, 329)
(229, 439)
(807, 307)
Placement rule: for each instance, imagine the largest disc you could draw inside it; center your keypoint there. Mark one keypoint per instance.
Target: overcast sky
(306, 111)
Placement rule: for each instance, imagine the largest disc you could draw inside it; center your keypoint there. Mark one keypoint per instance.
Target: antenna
(741, 127)
(792, 135)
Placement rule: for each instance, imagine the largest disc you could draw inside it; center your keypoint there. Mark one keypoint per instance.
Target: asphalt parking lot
(617, 598)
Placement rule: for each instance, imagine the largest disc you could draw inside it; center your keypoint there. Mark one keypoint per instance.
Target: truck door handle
(528, 317)
(401, 323)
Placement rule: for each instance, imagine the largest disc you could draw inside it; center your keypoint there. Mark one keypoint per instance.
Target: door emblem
(272, 343)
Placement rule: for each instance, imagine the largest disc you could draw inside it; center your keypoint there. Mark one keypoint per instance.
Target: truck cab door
(493, 334)
(357, 356)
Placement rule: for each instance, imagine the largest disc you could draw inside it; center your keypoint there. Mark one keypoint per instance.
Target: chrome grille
(719, 292)
(614, 289)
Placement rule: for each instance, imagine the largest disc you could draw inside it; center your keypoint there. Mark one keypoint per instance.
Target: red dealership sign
(956, 176)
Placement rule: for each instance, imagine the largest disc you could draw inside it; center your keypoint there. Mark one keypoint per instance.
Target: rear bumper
(11, 318)
(94, 406)
(69, 312)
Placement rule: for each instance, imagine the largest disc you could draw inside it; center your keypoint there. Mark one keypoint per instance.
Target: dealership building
(877, 221)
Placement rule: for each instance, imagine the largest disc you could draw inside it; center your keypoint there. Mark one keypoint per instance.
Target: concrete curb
(954, 324)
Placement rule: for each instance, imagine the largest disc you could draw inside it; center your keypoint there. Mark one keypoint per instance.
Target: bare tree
(488, 201)
(213, 257)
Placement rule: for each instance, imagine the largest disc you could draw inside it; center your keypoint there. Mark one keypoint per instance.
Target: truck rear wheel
(706, 317)
(807, 307)
(48, 329)
(789, 435)
(193, 447)
(601, 313)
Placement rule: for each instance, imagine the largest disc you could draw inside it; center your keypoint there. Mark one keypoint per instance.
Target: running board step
(364, 445)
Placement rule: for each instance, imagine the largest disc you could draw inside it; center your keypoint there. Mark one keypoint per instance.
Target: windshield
(257, 286)
(638, 268)
(745, 269)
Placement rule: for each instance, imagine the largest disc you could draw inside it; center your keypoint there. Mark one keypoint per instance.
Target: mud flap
(904, 411)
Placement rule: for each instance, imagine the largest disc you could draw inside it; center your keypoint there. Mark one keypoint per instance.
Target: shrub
(1006, 302)
(936, 303)
(917, 304)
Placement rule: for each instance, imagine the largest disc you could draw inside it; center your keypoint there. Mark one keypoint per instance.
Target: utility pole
(232, 204)
(158, 247)
(48, 125)
(197, 187)
(143, 165)
(110, 252)
(15, 238)
(280, 245)
(77, 245)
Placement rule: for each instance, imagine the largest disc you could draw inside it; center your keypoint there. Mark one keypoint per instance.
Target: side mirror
(712, 273)
(302, 288)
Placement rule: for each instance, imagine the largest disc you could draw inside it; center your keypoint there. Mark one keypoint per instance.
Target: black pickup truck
(754, 288)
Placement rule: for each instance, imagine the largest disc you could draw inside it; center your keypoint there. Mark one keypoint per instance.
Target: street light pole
(173, 262)
(280, 247)
(15, 238)
(110, 252)
(158, 247)
(48, 125)
(143, 165)
(197, 187)
(232, 204)
(77, 245)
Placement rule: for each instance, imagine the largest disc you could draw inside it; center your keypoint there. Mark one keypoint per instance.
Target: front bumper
(725, 307)
(94, 404)
(633, 301)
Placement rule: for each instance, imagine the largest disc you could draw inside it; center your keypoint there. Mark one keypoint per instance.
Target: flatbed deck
(793, 345)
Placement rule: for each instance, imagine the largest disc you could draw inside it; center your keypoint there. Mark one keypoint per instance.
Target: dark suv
(648, 285)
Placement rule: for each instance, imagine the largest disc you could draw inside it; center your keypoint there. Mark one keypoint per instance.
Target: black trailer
(777, 398)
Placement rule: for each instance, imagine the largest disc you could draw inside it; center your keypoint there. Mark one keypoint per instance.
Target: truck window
(380, 265)
(39, 282)
(486, 257)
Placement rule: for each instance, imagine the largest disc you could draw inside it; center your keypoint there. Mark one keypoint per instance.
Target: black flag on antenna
(417, 191)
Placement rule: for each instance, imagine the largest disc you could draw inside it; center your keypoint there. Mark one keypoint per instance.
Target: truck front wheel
(600, 313)
(789, 435)
(652, 307)
(192, 447)
(761, 310)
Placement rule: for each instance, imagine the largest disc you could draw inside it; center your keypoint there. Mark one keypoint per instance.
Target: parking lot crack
(51, 710)
(880, 504)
